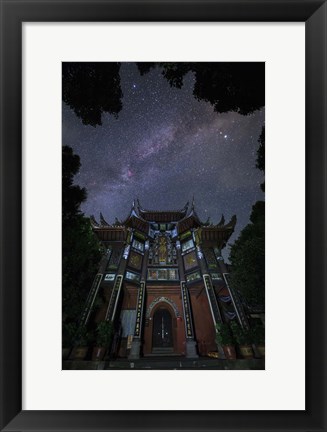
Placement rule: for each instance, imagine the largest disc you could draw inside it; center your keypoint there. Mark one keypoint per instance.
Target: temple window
(216, 276)
(109, 277)
(138, 245)
(132, 276)
(193, 276)
(162, 251)
(189, 244)
(163, 274)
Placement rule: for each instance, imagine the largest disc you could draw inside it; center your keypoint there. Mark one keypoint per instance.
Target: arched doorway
(162, 332)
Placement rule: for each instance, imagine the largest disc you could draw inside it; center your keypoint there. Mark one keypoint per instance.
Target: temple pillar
(211, 295)
(239, 310)
(94, 288)
(242, 318)
(113, 302)
(191, 351)
(137, 338)
(190, 346)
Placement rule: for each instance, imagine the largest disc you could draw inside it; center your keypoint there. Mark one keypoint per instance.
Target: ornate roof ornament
(138, 205)
(134, 205)
(93, 222)
(193, 203)
(231, 224)
(135, 220)
(117, 222)
(193, 214)
(134, 212)
(185, 208)
(103, 222)
(222, 221)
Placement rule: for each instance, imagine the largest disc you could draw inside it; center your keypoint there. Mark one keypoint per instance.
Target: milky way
(164, 148)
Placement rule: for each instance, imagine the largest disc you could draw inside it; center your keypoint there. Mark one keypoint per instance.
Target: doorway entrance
(162, 335)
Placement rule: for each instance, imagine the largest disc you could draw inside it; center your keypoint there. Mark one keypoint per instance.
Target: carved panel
(135, 260)
(190, 261)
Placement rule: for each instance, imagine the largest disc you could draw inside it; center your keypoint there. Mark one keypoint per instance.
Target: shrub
(242, 336)
(224, 335)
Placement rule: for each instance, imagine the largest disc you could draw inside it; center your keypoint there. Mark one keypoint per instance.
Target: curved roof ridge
(133, 213)
(143, 210)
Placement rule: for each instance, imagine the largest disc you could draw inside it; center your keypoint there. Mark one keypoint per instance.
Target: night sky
(164, 147)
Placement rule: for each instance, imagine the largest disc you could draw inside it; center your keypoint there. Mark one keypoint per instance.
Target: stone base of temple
(135, 350)
(221, 351)
(191, 349)
(168, 363)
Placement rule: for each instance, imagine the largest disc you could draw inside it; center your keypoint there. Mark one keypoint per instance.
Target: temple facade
(163, 283)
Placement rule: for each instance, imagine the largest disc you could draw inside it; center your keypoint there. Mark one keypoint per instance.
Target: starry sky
(164, 148)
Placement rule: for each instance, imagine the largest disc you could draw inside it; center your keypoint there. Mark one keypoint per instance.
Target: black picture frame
(13, 14)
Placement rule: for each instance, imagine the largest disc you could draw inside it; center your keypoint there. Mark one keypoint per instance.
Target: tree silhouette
(72, 195)
(260, 164)
(247, 257)
(91, 89)
(237, 86)
(80, 249)
(261, 155)
(247, 254)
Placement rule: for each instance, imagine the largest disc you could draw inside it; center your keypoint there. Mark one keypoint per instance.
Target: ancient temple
(163, 282)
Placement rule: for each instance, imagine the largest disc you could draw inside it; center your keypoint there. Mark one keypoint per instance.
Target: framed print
(168, 263)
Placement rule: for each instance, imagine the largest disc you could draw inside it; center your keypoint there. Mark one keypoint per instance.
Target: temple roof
(134, 220)
(188, 222)
(106, 232)
(162, 216)
(219, 233)
(140, 219)
(191, 220)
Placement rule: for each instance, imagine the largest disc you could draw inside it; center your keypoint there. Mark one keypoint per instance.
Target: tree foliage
(247, 257)
(228, 86)
(241, 335)
(261, 155)
(104, 333)
(224, 335)
(72, 195)
(260, 164)
(91, 89)
(247, 254)
(80, 249)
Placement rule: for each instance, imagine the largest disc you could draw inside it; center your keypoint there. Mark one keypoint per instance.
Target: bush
(83, 337)
(224, 335)
(242, 336)
(104, 333)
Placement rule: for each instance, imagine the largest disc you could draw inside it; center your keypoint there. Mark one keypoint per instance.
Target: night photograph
(163, 215)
